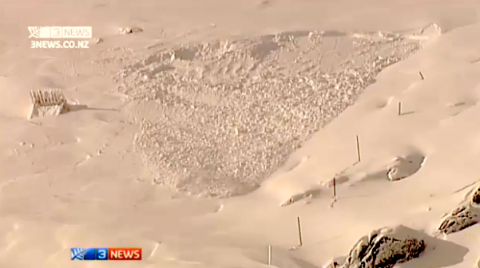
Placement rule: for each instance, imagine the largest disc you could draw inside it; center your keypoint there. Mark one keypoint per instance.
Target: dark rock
(130, 30)
(394, 251)
(332, 265)
(465, 215)
(459, 219)
(476, 197)
(382, 251)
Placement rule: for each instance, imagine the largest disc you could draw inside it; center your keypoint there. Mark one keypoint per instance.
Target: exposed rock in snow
(463, 216)
(382, 249)
(476, 196)
(459, 219)
(130, 30)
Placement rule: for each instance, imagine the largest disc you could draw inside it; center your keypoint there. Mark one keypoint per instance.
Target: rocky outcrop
(381, 249)
(476, 197)
(465, 215)
(459, 219)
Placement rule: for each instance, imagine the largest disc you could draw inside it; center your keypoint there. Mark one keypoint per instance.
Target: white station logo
(60, 32)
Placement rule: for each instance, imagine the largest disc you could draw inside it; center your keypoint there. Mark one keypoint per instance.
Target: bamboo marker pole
(399, 108)
(269, 255)
(421, 75)
(334, 189)
(358, 150)
(299, 232)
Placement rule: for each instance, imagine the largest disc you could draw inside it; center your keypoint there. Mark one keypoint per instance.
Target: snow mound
(400, 167)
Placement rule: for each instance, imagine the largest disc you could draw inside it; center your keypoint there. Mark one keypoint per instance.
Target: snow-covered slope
(83, 179)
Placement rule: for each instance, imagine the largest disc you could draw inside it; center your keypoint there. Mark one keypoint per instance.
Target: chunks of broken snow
(465, 215)
(384, 248)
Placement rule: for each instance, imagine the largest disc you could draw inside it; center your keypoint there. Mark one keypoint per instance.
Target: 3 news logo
(106, 254)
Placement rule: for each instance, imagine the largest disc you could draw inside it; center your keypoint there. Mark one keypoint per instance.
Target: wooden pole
(334, 188)
(400, 108)
(358, 150)
(421, 75)
(269, 255)
(299, 232)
